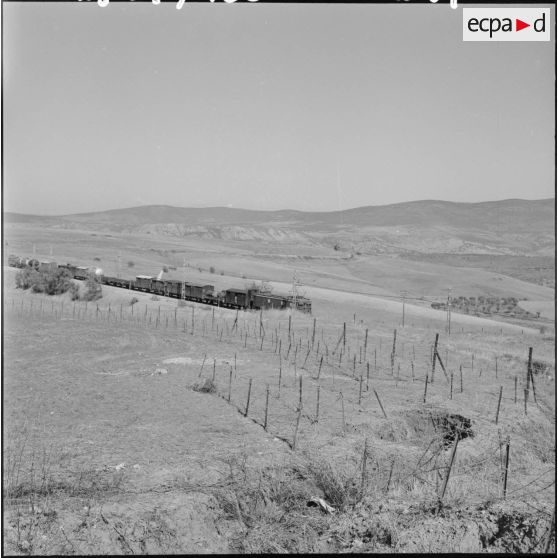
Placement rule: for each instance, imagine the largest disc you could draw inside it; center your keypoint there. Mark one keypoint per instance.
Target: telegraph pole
(295, 292)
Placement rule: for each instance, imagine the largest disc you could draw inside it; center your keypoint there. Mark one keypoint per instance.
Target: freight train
(240, 299)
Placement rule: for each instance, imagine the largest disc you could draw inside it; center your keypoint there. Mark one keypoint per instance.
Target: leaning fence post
(230, 384)
(266, 406)
(499, 401)
(381, 406)
(248, 398)
(296, 426)
(425, 388)
(434, 353)
(448, 471)
(317, 403)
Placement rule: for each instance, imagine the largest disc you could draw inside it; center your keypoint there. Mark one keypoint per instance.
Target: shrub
(25, 278)
(74, 291)
(165, 269)
(51, 282)
(181, 303)
(222, 273)
(154, 297)
(96, 259)
(131, 263)
(211, 269)
(134, 301)
(93, 289)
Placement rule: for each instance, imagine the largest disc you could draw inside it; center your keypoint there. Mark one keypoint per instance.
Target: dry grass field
(142, 428)
(142, 424)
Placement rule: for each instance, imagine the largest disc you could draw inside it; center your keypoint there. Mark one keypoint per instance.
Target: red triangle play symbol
(519, 25)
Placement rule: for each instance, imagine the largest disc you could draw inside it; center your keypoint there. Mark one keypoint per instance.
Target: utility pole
(294, 290)
(449, 311)
(404, 296)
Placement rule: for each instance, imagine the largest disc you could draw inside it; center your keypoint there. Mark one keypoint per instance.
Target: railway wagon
(268, 301)
(47, 266)
(143, 283)
(116, 282)
(174, 288)
(197, 291)
(158, 286)
(237, 298)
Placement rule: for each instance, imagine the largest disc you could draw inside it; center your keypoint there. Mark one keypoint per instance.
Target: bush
(93, 289)
(131, 263)
(154, 297)
(96, 259)
(222, 273)
(134, 301)
(211, 269)
(51, 282)
(181, 303)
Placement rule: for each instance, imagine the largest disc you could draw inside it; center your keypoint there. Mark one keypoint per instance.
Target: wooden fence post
(506, 467)
(363, 473)
(381, 406)
(499, 401)
(266, 406)
(425, 387)
(448, 471)
(320, 368)
(317, 403)
(434, 353)
(248, 398)
(203, 362)
(230, 383)
(296, 427)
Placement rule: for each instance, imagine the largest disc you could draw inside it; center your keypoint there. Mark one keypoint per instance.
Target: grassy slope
(209, 479)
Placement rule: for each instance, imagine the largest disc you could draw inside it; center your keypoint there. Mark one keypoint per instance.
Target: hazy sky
(268, 106)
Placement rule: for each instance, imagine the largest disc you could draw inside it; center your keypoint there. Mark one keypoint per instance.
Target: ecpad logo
(502, 24)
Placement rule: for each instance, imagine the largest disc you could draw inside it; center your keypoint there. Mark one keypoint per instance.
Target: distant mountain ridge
(498, 227)
(383, 215)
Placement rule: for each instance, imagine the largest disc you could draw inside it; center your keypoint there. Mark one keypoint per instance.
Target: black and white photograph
(278, 277)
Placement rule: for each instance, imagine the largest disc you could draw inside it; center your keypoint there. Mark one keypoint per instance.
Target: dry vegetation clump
(51, 282)
(205, 385)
